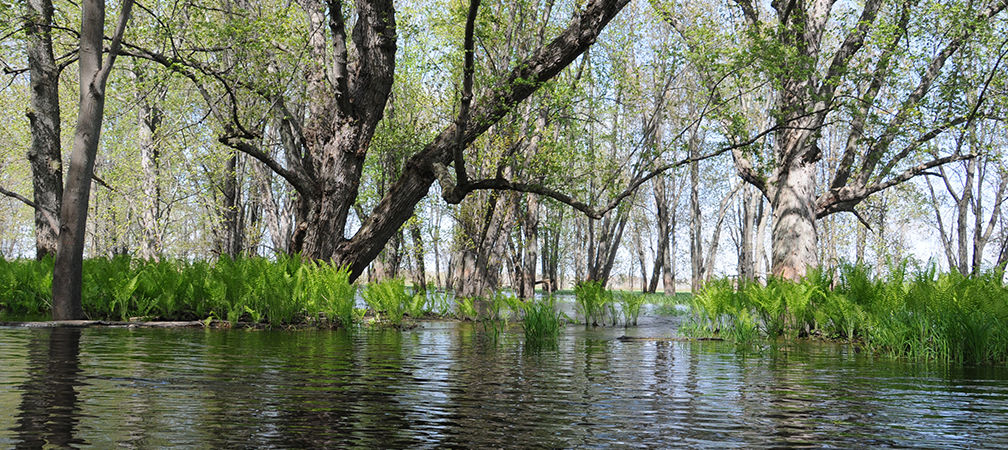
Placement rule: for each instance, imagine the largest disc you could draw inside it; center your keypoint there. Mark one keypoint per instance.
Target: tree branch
(843, 199)
(110, 58)
(18, 197)
(467, 85)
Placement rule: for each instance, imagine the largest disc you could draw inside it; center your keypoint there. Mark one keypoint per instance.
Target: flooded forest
(487, 223)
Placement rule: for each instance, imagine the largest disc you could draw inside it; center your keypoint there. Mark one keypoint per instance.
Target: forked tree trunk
(44, 119)
(73, 214)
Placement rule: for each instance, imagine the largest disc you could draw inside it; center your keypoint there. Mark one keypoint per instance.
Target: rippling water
(449, 384)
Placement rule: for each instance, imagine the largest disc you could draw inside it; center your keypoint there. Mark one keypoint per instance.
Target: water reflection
(49, 411)
(456, 385)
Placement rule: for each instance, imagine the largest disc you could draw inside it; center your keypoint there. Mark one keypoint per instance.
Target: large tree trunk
(795, 236)
(44, 118)
(73, 214)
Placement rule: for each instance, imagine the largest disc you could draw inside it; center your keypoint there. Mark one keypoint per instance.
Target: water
(450, 384)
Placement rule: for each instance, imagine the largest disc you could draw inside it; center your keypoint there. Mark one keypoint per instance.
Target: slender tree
(94, 73)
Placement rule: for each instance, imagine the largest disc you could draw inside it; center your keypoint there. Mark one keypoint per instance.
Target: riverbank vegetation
(919, 315)
(257, 291)
(457, 156)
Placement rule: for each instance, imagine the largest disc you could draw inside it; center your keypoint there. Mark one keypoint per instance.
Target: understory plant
(541, 321)
(630, 304)
(389, 300)
(286, 290)
(921, 315)
(594, 303)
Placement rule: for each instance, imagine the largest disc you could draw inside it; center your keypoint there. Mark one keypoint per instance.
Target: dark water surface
(448, 384)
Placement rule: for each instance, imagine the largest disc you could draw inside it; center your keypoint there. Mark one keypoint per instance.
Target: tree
(44, 116)
(348, 84)
(94, 74)
(856, 79)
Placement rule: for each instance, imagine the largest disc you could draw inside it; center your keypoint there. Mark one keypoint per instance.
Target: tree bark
(696, 219)
(795, 234)
(419, 271)
(44, 119)
(149, 119)
(73, 214)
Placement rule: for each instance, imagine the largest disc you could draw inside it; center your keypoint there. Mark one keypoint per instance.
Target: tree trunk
(795, 236)
(696, 220)
(759, 247)
(661, 253)
(44, 119)
(746, 262)
(73, 214)
(641, 259)
(232, 232)
(531, 229)
(149, 118)
(962, 224)
(419, 271)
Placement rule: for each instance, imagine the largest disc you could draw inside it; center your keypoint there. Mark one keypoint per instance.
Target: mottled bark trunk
(232, 230)
(419, 271)
(44, 119)
(73, 213)
(661, 265)
(323, 228)
(962, 218)
(696, 222)
(531, 230)
(149, 118)
(795, 236)
(641, 260)
(759, 247)
(746, 262)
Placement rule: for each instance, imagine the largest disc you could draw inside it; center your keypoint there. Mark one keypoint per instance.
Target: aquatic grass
(541, 322)
(388, 299)
(919, 315)
(593, 302)
(282, 291)
(631, 304)
(465, 308)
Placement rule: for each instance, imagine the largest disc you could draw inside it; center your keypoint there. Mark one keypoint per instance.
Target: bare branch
(124, 15)
(844, 199)
(297, 179)
(467, 85)
(18, 197)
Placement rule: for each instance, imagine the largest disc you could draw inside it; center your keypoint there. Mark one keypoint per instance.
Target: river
(453, 384)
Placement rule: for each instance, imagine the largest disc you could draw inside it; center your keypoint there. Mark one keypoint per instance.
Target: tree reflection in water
(49, 410)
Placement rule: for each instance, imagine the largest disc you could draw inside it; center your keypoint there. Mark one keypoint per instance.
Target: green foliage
(390, 300)
(25, 288)
(922, 316)
(630, 303)
(542, 322)
(284, 291)
(466, 308)
(594, 303)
